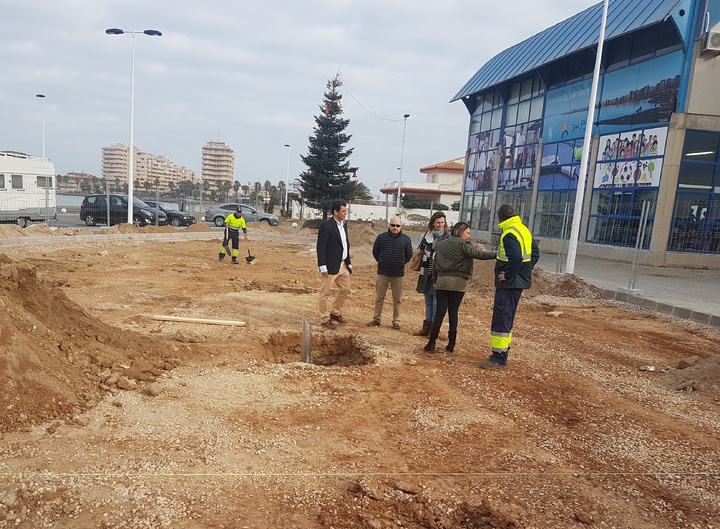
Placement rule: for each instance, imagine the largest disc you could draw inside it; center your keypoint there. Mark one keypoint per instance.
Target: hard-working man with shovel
(233, 224)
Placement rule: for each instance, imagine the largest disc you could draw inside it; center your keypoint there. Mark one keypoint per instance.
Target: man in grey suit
(333, 254)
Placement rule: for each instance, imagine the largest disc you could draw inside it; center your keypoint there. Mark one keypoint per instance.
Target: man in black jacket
(516, 257)
(392, 250)
(333, 255)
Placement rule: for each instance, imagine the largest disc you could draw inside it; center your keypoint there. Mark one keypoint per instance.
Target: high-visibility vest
(515, 226)
(235, 223)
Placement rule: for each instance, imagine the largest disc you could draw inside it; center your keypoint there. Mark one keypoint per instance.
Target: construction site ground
(607, 416)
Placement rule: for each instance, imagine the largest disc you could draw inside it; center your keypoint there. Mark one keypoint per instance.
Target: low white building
(443, 183)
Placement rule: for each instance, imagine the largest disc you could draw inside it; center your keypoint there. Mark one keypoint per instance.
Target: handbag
(415, 261)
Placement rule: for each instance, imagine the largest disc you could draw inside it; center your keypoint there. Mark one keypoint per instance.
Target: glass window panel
(536, 108)
(667, 38)
(511, 116)
(696, 175)
(514, 93)
(700, 146)
(526, 89)
(496, 118)
(523, 112)
(618, 53)
(17, 181)
(486, 123)
(2, 181)
(488, 102)
(643, 46)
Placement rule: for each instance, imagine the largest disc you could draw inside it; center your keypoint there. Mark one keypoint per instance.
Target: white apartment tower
(149, 171)
(218, 166)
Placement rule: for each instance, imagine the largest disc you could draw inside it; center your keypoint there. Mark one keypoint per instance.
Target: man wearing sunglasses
(392, 250)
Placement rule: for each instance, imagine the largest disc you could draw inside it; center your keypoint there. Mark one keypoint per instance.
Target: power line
(365, 108)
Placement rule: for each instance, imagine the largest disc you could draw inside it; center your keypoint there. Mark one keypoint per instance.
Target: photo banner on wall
(631, 158)
(566, 111)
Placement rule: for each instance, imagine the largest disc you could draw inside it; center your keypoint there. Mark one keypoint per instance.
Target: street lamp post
(287, 182)
(42, 98)
(402, 152)
(131, 150)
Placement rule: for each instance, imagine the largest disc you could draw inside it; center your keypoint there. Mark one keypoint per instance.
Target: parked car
(94, 210)
(175, 217)
(217, 214)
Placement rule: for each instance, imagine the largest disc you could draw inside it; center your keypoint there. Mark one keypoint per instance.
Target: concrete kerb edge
(662, 308)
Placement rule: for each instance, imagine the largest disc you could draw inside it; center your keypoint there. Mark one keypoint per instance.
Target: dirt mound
(129, 228)
(697, 376)
(361, 234)
(11, 231)
(563, 285)
(56, 360)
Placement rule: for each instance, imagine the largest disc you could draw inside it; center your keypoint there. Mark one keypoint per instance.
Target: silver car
(217, 214)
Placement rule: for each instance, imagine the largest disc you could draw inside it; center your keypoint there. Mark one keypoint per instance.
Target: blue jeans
(430, 306)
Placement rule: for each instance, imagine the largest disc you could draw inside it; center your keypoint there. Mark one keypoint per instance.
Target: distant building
(443, 183)
(218, 167)
(150, 172)
(74, 183)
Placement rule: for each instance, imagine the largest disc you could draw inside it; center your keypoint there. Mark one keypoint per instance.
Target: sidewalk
(681, 292)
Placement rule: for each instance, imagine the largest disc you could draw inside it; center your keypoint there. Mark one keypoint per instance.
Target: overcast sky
(252, 74)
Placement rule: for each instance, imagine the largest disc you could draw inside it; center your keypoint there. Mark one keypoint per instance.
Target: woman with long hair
(437, 231)
(452, 270)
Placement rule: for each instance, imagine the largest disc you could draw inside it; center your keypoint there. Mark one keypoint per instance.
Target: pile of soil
(56, 359)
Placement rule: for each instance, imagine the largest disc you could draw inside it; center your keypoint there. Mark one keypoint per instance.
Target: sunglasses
(395, 225)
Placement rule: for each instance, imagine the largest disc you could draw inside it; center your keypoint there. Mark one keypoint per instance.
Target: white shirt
(343, 239)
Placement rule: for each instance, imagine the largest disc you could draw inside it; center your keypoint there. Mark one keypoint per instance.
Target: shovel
(226, 241)
(250, 258)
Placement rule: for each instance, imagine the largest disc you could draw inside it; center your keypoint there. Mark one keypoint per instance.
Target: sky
(252, 74)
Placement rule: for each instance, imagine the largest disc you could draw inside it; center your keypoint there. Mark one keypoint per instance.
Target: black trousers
(448, 301)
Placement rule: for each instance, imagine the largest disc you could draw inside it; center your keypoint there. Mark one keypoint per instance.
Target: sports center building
(653, 179)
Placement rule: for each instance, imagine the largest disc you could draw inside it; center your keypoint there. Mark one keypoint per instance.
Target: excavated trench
(325, 349)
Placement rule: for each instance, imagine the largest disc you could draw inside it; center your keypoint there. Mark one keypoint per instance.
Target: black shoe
(328, 325)
(450, 347)
(373, 323)
(430, 347)
(221, 256)
(234, 260)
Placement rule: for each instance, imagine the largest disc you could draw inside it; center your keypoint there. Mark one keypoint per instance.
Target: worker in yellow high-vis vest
(233, 224)
(517, 254)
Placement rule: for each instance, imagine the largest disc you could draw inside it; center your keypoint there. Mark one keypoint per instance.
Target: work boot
(429, 347)
(221, 256)
(450, 347)
(234, 260)
(425, 331)
(495, 361)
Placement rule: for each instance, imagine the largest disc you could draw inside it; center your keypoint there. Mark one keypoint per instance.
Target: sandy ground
(608, 416)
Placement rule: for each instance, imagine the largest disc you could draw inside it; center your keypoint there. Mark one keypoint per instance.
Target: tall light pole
(287, 181)
(402, 152)
(131, 149)
(584, 161)
(42, 98)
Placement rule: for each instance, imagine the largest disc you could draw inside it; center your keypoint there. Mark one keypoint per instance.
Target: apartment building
(218, 166)
(149, 171)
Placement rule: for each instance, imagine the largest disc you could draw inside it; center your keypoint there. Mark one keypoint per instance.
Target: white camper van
(27, 188)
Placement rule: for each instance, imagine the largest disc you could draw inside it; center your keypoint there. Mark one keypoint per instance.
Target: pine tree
(328, 173)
